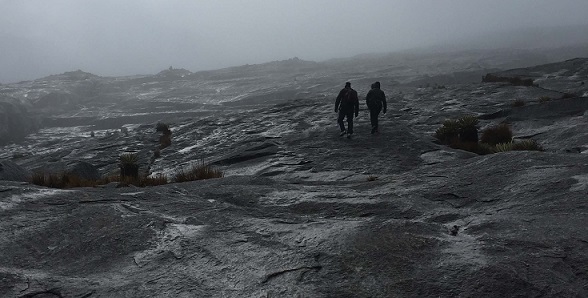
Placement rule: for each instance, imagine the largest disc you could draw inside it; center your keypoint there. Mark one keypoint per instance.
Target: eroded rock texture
(302, 212)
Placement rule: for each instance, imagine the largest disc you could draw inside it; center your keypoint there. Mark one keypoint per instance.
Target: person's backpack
(348, 98)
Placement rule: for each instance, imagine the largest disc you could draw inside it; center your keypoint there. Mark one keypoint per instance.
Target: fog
(113, 37)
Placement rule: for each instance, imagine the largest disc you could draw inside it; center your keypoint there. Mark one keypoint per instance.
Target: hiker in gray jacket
(376, 102)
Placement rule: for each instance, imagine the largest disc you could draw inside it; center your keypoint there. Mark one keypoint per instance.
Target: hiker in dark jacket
(346, 105)
(375, 100)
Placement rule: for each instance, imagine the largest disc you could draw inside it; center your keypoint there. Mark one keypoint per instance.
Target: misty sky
(126, 37)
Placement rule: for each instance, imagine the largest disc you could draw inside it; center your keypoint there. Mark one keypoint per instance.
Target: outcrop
(302, 212)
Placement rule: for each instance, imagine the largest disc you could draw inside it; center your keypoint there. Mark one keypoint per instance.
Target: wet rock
(84, 170)
(11, 171)
(249, 153)
(297, 216)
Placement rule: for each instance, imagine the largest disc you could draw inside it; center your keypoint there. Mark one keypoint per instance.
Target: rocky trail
(302, 212)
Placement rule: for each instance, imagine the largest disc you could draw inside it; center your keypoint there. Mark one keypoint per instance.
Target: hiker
(375, 100)
(346, 105)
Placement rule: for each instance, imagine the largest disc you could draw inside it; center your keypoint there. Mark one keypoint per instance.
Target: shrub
(464, 129)
(468, 129)
(199, 172)
(129, 166)
(518, 103)
(162, 127)
(497, 134)
(448, 132)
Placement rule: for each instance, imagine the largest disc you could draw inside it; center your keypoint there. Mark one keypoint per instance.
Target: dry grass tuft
(500, 133)
(199, 172)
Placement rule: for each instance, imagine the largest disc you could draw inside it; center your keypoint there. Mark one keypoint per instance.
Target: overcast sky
(125, 37)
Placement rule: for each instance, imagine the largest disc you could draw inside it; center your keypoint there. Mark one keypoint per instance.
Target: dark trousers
(342, 114)
(374, 113)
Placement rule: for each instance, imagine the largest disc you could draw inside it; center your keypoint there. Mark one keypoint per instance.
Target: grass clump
(464, 129)
(503, 147)
(496, 134)
(129, 166)
(494, 139)
(372, 178)
(162, 127)
(198, 172)
(448, 132)
(468, 128)
(524, 145)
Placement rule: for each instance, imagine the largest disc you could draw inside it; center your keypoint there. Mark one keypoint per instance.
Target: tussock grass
(464, 129)
(500, 133)
(199, 172)
(448, 131)
(524, 145)
(129, 166)
(163, 128)
(494, 139)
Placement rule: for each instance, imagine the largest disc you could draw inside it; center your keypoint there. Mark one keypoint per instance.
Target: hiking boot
(343, 133)
(374, 130)
(349, 135)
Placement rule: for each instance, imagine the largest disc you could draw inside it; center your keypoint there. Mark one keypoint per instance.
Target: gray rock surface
(302, 212)
(11, 171)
